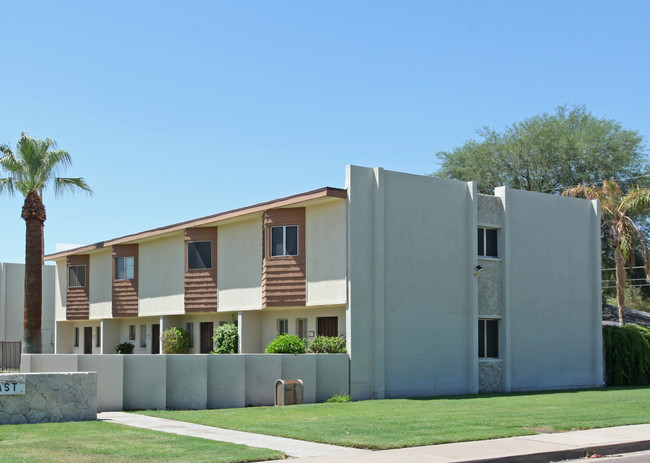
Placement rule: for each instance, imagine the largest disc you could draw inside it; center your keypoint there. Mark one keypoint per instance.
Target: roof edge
(280, 202)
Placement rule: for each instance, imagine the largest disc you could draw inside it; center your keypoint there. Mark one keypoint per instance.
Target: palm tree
(35, 166)
(617, 210)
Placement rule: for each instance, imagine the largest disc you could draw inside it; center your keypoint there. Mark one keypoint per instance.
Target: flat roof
(321, 193)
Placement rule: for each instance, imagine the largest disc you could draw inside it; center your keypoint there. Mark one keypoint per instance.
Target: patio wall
(199, 381)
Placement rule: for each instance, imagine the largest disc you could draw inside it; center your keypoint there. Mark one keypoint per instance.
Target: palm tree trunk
(620, 285)
(34, 216)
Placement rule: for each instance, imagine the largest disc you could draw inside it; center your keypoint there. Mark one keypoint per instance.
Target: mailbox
(288, 392)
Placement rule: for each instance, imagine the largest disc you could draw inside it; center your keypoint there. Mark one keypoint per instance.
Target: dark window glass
(487, 242)
(277, 241)
(77, 276)
(199, 255)
(76, 337)
(291, 240)
(492, 330)
(488, 338)
(99, 336)
(491, 242)
(124, 268)
(190, 334)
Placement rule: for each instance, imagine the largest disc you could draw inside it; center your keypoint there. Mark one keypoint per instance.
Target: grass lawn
(95, 441)
(384, 424)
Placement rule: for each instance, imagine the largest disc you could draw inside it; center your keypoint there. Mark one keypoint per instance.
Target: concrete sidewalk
(291, 447)
(536, 448)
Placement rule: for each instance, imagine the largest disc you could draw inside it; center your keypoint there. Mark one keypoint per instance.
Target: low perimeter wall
(198, 381)
(43, 397)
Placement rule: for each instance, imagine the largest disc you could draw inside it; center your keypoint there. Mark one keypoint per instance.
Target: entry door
(207, 329)
(328, 326)
(88, 340)
(155, 339)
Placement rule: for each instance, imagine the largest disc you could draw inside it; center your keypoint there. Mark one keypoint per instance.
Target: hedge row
(627, 355)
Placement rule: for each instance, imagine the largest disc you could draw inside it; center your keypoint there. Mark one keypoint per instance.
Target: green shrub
(124, 348)
(627, 356)
(286, 344)
(226, 339)
(328, 345)
(339, 398)
(175, 341)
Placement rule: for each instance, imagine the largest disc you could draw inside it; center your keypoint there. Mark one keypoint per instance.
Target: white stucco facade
(415, 300)
(239, 252)
(397, 263)
(12, 291)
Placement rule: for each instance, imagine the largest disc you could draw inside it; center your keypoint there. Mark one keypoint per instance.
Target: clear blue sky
(175, 110)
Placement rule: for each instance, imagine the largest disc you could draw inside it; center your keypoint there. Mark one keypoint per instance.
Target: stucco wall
(50, 397)
(411, 247)
(161, 285)
(12, 306)
(200, 381)
(326, 253)
(552, 308)
(100, 274)
(239, 256)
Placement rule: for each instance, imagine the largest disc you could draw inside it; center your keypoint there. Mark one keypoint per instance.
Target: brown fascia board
(260, 207)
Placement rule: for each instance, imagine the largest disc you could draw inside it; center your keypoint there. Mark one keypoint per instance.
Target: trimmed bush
(328, 345)
(286, 344)
(124, 348)
(226, 339)
(175, 341)
(339, 399)
(627, 355)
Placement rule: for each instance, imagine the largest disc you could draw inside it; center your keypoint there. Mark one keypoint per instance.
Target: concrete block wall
(199, 381)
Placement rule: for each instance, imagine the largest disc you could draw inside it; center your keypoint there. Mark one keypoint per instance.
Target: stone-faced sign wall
(44, 397)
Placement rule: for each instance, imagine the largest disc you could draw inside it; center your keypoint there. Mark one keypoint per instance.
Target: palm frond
(64, 184)
(636, 201)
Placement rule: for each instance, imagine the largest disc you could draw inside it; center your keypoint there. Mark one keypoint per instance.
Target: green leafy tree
(175, 341)
(226, 339)
(618, 211)
(35, 165)
(548, 152)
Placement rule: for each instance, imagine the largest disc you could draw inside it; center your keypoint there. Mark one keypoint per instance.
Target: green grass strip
(396, 423)
(96, 441)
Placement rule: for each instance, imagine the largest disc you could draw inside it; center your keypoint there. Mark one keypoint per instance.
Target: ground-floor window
(143, 336)
(76, 337)
(488, 338)
(301, 328)
(190, 333)
(99, 336)
(131, 332)
(283, 326)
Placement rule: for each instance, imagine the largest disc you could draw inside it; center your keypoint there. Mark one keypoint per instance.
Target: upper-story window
(124, 268)
(199, 255)
(284, 240)
(76, 276)
(487, 242)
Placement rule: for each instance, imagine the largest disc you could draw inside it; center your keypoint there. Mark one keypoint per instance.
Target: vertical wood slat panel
(77, 299)
(201, 284)
(284, 279)
(125, 292)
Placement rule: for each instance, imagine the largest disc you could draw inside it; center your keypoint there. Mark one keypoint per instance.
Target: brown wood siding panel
(125, 292)
(201, 284)
(284, 279)
(77, 305)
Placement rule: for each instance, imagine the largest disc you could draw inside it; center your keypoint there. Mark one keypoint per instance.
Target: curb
(569, 454)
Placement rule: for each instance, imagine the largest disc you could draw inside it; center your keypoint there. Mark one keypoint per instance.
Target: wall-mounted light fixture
(478, 270)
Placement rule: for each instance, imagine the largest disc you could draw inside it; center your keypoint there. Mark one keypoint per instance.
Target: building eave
(321, 193)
